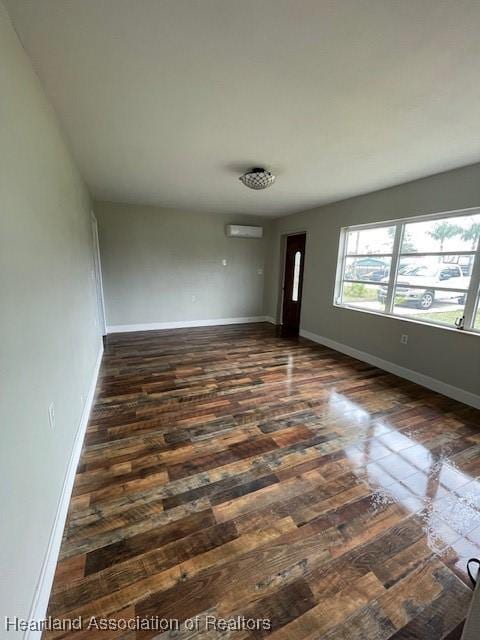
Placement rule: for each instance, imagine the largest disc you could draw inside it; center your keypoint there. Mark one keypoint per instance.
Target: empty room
(240, 319)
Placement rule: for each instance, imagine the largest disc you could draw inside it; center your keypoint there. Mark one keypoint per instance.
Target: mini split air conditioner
(243, 231)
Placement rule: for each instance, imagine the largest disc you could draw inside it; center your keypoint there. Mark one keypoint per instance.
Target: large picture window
(425, 269)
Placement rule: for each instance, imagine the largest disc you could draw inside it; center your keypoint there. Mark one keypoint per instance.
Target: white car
(427, 278)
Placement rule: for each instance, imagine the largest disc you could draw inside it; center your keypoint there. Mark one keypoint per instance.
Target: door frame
(97, 263)
(283, 258)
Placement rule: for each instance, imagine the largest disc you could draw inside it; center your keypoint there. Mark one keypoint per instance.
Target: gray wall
(155, 260)
(442, 354)
(50, 340)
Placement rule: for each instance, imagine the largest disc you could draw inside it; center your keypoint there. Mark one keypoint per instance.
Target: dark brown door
(293, 281)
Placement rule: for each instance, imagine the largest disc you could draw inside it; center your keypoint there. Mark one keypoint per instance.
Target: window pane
(376, 240)
(448, 234)
(372, 269)
(296, 276)
(429, 305)
(477, 319)
(451, 272)
(365, 296)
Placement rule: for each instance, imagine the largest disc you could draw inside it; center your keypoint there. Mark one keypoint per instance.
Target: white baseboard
(425, 381)
(270, 319)
(182, 324)
(42, 593)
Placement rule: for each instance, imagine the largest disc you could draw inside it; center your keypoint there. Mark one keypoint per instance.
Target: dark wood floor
(227, 471)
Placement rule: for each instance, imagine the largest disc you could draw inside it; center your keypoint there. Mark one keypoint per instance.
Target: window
(425, 269)
(296, 276)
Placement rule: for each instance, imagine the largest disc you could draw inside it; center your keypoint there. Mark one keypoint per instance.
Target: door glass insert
(296, 275)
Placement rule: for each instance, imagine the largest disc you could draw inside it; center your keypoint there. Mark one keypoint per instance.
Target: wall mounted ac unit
(243, 231)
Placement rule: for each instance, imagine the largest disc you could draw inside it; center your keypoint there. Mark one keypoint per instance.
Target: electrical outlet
(194, 298)
(260, 272)
(51, 415)
(224, 262)
(404, 338)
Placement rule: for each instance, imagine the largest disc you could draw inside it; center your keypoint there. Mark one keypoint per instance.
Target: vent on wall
(243, 231)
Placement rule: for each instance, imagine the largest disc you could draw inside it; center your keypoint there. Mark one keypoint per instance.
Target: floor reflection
(416, 467)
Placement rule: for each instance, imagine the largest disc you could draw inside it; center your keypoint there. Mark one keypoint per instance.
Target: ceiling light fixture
(257, 178)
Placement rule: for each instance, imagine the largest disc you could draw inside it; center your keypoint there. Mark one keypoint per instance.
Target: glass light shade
(257, 178)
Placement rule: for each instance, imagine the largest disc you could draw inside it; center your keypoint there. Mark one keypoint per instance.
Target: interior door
(292, 283)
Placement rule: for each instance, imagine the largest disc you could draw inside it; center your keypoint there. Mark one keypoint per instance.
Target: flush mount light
(257, 178)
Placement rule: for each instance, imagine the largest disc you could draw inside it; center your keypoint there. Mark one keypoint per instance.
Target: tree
(444, 231)
(472, 234)
(408, 246)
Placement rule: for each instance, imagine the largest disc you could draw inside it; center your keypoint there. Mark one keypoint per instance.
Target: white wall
(155, 261)
(49, 337)
(449, 356)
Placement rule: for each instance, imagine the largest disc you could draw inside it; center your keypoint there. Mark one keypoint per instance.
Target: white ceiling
(167, 101)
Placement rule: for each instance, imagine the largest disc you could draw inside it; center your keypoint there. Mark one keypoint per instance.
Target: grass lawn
(446, 317)
(356, 292)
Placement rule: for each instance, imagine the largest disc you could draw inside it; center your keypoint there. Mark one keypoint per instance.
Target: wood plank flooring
(228, 473)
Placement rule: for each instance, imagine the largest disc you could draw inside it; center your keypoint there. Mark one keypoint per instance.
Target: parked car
(426, 277)
(466, 264)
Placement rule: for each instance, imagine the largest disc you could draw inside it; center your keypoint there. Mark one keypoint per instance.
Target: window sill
(391, 316)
